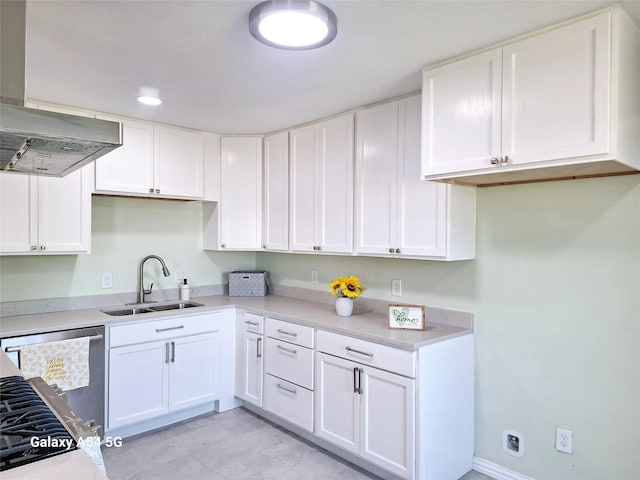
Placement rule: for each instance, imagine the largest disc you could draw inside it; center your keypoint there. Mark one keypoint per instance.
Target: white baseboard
(496, 471)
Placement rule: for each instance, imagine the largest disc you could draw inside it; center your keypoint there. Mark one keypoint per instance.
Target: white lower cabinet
(249, 358)
(289, 366)
(163, 366)
(398, 413)
(367, 411)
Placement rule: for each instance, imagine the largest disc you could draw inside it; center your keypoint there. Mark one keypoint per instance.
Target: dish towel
(65, 362)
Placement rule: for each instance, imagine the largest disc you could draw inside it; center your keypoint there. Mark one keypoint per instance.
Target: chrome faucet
(141, 290)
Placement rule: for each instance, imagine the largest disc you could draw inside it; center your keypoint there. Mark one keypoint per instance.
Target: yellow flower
(348, 287)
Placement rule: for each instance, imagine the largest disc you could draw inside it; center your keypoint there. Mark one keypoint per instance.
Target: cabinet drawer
(289, 401)
(291, 362)
(161, 329)
(368, 353)
(290, 332)
(252, 323)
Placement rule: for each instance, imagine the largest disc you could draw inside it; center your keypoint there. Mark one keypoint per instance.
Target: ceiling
(213, 76)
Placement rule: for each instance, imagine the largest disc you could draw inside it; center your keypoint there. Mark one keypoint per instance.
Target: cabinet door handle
(288, 350)
(360, 391)
(159, 330)
(151, 190)
(505, 160)
(167, 357)
(355, 379)
(288, 390)
(390, 250)
(34, 248)
(349, 349)
(173, 352)
(258, 348)
(495, 161)
(398, 250)
(284, 332)
(157, 190)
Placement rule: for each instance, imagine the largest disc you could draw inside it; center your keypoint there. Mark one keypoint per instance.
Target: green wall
(555, 290)
(124, 230)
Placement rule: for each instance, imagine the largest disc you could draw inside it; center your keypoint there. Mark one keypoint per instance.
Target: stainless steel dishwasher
(87, 402)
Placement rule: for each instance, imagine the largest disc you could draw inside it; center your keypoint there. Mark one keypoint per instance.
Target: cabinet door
(421, 207)
(376, 165)
(129, 168)
(275, 235)
(556, 93)
(64, 212)
(387, 430)
(337, 405)
(194, 372)
(138, 376)
(334, 194)
(18, 213)
(251, 368)
(303, 150)
(461, 114)
(178, 162)
(241, 194)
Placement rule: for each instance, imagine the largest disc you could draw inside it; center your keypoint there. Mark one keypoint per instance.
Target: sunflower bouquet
(346, 287)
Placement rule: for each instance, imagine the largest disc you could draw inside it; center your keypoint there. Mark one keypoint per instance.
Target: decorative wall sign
(408, 317)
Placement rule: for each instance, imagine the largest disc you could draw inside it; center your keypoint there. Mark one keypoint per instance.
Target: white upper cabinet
(321, 186)
(46, 215)
(558, 104)
(241, 193)
(178, 162)
(275, 234)
(397, 214)
(154, 161)
(461, 109)
(129, 168)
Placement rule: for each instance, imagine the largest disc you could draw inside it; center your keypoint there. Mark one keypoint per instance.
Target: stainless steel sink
(127, 311)
(174, 306)
(121, 312)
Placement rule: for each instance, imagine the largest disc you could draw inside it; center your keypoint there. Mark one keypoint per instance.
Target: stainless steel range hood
(39, 142)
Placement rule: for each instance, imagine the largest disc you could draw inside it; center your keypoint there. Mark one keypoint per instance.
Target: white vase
(344, 307)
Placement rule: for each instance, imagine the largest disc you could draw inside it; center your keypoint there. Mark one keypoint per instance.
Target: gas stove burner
(29, 430)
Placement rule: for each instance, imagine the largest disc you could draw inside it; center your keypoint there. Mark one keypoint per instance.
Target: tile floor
(234, 445)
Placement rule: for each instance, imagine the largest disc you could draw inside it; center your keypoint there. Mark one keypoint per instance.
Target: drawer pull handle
(173, 352)
(167, 355)
(284, 332)
(249, 322)
(289, 390)
(288, 350)
(349, 349)
(159, 330)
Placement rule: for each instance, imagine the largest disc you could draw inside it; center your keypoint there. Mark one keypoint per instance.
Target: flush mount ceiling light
(293, 24)
(149, 96)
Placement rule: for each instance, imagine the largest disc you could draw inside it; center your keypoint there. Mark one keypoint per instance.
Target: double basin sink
(147, 308)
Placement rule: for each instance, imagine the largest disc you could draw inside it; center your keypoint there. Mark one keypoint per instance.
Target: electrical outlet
(396, 288)
(564, 440)
(107, 280)
(314, 276)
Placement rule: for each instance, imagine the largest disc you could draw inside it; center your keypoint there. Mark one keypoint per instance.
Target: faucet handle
(147, 292)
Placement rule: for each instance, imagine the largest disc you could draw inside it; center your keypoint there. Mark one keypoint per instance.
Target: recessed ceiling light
(149, 96)
(293, 24)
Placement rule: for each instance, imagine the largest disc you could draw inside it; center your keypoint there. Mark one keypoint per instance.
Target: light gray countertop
(369, 325)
